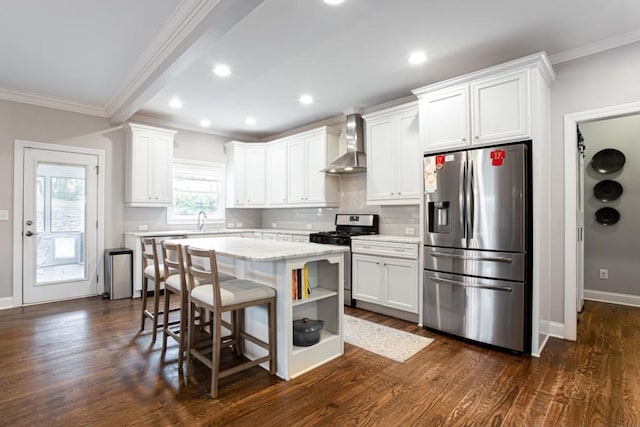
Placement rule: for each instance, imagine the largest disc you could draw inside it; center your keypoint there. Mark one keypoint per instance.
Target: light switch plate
(409, 231)
(274, 225)
(239, 224)
(143, 227)
(309, 227)
(230, 225)
(4, 215)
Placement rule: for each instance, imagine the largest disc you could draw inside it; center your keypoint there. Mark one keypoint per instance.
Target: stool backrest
(173, 260)
(150, 255)
(202, 267)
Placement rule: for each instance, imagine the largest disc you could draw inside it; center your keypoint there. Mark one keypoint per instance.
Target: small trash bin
(118, 273)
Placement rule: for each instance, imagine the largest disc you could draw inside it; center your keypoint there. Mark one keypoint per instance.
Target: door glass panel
(60, 223)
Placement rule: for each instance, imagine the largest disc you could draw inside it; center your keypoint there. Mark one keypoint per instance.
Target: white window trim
(199, 168)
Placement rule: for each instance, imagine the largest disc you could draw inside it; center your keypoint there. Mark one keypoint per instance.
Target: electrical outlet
(239, 224)
(143, 227)
(274, 225)
(409, 231)
(230, 225)
(604, 273)
(4, 215)
(309, 227)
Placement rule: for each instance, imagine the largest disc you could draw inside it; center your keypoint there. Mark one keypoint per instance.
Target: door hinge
(96, 225)
(97, 278)
(97, 169)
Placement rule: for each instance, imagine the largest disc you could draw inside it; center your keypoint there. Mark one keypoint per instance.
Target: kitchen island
(274, 263)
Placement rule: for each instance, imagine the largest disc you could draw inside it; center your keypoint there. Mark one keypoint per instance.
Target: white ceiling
(119, 57)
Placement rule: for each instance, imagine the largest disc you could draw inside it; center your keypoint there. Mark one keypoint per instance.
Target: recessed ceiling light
(306, 99)
(333, 2)
(250, 121)
(205, 123)
(417, 58)
(222, 70)
(175, 103)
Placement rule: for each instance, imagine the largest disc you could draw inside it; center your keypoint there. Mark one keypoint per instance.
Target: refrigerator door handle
(471, 285)
(462, 197)
(471, 258)
(470, 202)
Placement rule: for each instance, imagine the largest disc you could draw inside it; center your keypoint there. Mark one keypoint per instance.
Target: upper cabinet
(394, 156)
(246, 168)
(308, 154)
(491, 106)
(149, 157)
(283, 173)
(277, 173)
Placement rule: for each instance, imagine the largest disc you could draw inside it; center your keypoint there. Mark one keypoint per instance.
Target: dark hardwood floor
(82, 363)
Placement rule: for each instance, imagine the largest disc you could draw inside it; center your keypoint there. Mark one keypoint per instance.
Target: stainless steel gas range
(347, 225)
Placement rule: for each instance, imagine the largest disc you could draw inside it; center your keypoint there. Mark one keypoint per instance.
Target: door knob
(28, 233)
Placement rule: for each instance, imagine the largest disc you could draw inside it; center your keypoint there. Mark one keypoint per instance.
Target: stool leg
(183, 329)
(156, 309)
(145, 285)
(191, 338)
(216, 334)
(167, 300)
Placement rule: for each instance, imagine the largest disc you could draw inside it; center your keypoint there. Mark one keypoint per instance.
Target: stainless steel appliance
(347, 225)
(477, 245)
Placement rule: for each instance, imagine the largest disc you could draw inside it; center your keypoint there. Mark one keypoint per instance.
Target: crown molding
(156, 121)
(50, 102)
(596, 47)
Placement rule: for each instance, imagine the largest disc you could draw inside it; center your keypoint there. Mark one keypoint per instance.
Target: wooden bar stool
(152, 270)
(175, 283)
(219, 297)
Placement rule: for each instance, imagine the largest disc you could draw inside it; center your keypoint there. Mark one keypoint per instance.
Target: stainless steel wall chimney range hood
(354, 160)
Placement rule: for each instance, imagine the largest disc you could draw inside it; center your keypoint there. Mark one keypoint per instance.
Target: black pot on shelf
(306, 332)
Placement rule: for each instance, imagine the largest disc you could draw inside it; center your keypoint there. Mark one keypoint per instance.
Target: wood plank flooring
(82, 362)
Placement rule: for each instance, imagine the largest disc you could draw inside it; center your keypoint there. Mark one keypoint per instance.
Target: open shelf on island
(315, 295)
(325, 337)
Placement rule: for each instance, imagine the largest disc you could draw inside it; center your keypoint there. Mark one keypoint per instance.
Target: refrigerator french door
(476, 245)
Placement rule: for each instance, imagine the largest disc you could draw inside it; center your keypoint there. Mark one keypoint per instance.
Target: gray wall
(614, 247)
(605, 79)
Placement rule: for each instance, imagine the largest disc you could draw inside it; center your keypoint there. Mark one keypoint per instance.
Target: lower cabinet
(388, 281)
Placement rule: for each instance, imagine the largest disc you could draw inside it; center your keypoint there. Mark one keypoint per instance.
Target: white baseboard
(556, 330)
(612, 298)
(6, 302)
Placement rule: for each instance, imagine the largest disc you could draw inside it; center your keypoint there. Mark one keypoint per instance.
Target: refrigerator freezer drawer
(484, 310)
(496, 265)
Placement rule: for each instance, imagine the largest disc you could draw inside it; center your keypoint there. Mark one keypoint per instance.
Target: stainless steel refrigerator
(477, 245)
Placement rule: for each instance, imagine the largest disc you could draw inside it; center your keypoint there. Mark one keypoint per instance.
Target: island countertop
(260, 250)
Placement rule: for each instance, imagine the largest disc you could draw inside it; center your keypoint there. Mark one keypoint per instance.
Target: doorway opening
(573, 268)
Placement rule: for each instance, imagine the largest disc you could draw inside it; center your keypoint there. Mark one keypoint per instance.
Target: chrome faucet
(201, 215)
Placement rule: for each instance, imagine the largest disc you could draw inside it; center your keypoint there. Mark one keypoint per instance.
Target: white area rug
(388, 342)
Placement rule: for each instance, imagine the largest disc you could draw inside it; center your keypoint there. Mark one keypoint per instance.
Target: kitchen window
(197, 186)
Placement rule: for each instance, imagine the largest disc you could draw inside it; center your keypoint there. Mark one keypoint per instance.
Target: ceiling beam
(193, 27)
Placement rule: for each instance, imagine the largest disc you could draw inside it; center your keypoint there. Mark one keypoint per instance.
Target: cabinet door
(380, 159)
(284, 237)
(140, 168)
(277, 174)
(300, 238)
(254, 174)
(296, 180)
(444, 119)
(316, 161)
(401, 284)
(162, 183)
(367, 278)
(500, 110)
(239, 168)
(409, 157)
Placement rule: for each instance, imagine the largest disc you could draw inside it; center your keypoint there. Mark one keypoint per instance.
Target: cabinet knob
(477, 137)
(464, 139)
(283, 199)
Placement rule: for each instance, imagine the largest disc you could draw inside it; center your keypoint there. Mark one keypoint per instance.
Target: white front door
(580, 224)
(59, 225)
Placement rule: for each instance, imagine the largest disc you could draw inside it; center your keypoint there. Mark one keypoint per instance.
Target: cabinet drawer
(398, 250)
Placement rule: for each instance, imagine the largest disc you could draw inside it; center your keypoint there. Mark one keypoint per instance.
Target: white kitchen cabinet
(386, 273)
(246, 170)
(308, 154)
(284, 237)
(491, 108)
(301, 238)
(270, 236)
(394, 156)
(276, 176)
(148, 171)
